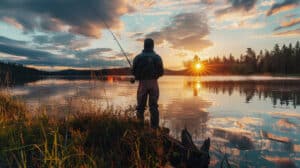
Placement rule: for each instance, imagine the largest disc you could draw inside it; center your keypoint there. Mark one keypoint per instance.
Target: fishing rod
(118, 42)
(132, 80)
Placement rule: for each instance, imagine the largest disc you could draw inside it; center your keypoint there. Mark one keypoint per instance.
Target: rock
(185, 153)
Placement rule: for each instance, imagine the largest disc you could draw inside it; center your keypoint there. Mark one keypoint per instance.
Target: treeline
(280, 60)
(11, 73)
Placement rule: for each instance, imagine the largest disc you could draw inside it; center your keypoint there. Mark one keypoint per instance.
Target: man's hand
(132, 80)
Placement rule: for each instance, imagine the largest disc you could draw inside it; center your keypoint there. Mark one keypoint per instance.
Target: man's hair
(148, 43)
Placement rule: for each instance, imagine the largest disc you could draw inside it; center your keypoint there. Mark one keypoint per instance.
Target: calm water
(255, 120)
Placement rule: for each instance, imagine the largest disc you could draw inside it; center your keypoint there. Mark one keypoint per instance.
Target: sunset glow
(150, 83)
(35, 35)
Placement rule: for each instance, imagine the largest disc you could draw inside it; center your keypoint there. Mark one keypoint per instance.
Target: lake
(254, 120)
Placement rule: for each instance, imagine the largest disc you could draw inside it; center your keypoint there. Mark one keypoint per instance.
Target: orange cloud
(295, 32)
(290, 23)
(13, 22)
(284, 6)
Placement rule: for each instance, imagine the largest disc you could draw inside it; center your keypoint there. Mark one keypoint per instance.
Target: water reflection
(253, 119)
(286, 124)
(280, 92)
(281, 162)
(188, 113)
(237, 138)
(248, 128)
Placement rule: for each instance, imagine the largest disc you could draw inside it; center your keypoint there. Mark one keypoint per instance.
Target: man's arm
(134, 66)
(160, 67)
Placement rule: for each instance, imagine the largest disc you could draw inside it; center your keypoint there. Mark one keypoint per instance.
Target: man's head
(148, 44)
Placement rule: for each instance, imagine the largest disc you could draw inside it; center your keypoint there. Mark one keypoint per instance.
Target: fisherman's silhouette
(147, 68)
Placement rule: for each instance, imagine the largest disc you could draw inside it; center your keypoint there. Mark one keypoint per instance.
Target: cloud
(170, 4)
(95, 53)
(136, 35)
(267, 2)
(295, 32)
(77, 16)
(64, 40)
(290, 16)
(13, 22)
(283, 6)
(236, 6)
(186, 31)
(244, 25)
(34, 55)
(143, 3)
(5, 40)
(292, 22)
(58, 39)
(87, 58)
(208, 2)
(20, 52)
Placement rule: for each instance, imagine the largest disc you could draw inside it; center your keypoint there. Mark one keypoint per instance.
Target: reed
(96, 138)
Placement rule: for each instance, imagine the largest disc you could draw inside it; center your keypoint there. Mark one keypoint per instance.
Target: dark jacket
(147, 65)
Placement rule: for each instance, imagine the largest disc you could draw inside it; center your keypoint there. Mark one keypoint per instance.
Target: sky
(55, 34)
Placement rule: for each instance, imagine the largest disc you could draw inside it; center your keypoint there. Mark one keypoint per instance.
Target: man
(147, 68)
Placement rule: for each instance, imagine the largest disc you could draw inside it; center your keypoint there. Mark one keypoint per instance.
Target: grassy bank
(108, 138)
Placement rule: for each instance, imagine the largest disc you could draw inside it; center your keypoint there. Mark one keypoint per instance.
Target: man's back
(147, 65)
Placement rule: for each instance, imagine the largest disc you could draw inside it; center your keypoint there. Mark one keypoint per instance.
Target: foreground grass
(105, 139)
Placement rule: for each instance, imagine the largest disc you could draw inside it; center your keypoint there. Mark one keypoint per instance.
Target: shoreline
(99, 138)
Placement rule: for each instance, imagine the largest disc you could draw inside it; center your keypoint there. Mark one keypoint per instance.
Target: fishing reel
(132, 80)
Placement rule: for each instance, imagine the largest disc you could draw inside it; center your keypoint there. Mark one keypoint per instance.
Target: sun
(198, 66)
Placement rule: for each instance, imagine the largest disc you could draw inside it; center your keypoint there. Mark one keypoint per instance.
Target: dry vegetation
(95, 138)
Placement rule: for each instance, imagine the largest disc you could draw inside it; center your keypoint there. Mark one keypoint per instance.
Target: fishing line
(118, 42)
(132, 80)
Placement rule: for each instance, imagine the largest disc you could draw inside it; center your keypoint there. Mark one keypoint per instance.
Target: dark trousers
(148, 89)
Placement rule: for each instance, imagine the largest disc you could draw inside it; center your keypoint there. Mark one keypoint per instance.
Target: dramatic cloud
(61, 40)
(283, 6)
(292, 22)
(20, 52)
(77, 16)
(295, 32)
(236, 6)
(35, 55)
(5, 40)
(91, 54)
(186, 31)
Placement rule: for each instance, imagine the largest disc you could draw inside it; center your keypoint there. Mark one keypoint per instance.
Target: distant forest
(12, 73)
(280, 60)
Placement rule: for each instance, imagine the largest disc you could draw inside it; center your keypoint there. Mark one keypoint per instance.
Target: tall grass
(95, 138)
